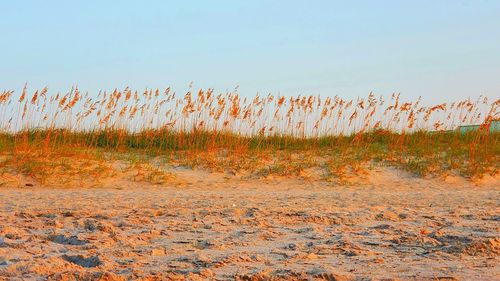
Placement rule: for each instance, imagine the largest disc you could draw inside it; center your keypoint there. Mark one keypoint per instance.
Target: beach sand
(217, 227)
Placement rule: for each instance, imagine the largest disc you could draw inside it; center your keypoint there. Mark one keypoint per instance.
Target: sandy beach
(250, 140)
(224, 228)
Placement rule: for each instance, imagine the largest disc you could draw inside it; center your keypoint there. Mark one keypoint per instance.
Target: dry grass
(43, 136)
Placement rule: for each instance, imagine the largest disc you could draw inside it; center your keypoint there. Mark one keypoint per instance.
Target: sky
(439, 50)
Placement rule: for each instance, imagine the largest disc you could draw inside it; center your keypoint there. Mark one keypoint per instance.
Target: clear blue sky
(437, 49)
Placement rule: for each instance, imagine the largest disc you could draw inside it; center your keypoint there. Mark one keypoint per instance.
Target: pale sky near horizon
(441, 50)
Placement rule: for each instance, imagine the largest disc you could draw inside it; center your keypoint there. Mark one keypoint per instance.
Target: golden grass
(40, 133)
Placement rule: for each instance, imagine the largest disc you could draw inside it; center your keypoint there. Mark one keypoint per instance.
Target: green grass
(421, 153)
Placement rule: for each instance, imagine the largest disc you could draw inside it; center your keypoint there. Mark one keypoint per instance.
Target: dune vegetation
(44, 135)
